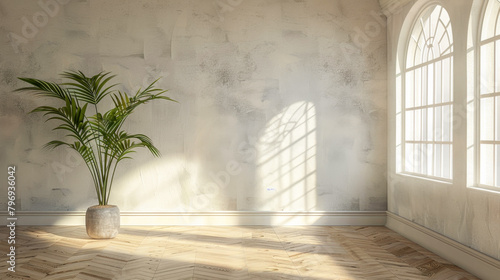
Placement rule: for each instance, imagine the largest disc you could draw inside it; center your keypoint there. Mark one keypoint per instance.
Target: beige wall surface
(282, 104)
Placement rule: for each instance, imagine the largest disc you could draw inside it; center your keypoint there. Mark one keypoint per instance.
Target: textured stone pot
(102, 221)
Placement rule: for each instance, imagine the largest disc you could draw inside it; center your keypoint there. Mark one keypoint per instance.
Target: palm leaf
(44, 88)
(89, 89)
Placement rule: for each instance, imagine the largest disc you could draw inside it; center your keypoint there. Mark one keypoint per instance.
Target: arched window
(488, 98)
(427, 97)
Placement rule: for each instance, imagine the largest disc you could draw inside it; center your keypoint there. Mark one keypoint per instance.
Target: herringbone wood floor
(202, 252)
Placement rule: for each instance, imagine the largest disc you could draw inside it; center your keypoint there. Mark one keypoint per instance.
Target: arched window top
(491, 21)
(431, 37)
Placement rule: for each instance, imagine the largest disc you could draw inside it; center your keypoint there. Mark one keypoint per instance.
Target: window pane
(446, 80)
(487, 69)
(497, 28)
(424, 124)
(398, 159)
(471, 75)
(450, 80)
(418, 158)
(438, 129)
(489, 20)
(437, 82)
(447, 123)
(430, 124)
(398, 129)
(429, 163)
(409, 127)
(398, 94)
(411, 50)
(438, 160)
(418, 125)
(487, 119)
(418, 50)
(446, 45)
(447, 160)
(409, 158)
(409, 96)
(486, 164)
(430, 84)
(440, 34)
(425, 85)
(418, 87)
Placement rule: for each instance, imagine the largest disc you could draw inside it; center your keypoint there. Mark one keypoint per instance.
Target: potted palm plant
(97, 135)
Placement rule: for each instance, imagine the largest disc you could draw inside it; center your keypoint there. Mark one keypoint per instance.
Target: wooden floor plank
(211, 252)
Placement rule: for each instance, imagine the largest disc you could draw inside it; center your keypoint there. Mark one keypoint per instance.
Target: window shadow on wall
(286, 161)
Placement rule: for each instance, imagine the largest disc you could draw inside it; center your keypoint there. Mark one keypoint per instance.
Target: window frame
(478, 42)
(403, 108)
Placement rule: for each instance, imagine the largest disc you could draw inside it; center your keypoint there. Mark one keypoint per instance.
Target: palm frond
(89, 89)
(44, 88)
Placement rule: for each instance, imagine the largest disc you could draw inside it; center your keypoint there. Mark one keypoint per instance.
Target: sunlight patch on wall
(161, 184)
(286, 165)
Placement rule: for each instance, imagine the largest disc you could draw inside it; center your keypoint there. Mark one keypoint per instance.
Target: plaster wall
(282, 104)
(453, 209)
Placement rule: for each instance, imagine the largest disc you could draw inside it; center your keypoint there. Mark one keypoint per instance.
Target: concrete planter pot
(102, 221)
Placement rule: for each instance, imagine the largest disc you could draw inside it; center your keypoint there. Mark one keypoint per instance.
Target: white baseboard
(479, 264)
(224, 218)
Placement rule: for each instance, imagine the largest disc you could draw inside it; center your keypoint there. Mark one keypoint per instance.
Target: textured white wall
(469, 216)
(282, 103)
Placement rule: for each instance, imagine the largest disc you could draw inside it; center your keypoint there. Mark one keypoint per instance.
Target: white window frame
(479, 97)
(430, 143)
